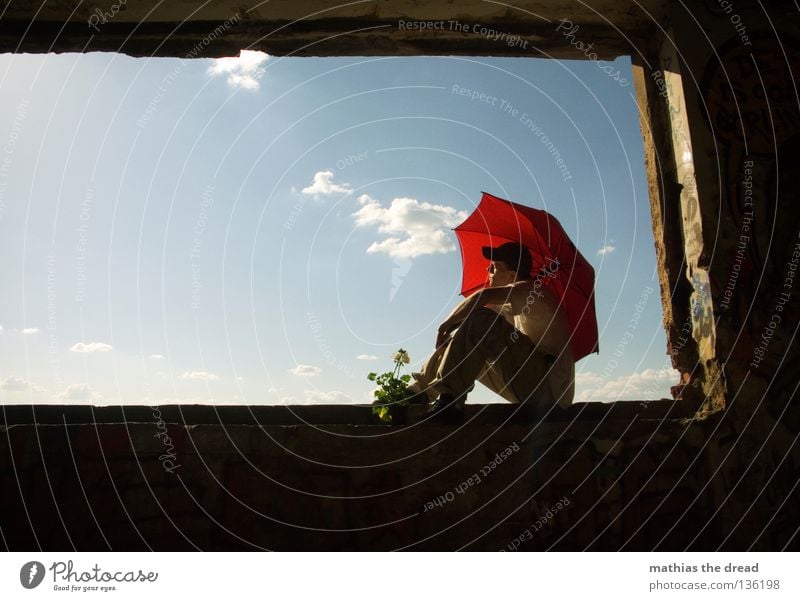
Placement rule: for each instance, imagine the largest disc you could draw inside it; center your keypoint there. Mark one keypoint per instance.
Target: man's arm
(498, 295)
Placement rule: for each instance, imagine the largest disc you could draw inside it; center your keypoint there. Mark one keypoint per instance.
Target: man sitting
(511, 336)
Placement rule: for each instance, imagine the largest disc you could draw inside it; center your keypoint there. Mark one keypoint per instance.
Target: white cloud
(588, 380)
(183, 401)
(92, 347)
(243, 71)
(305, 370)
(157, 357)
(323, 185)
(1, 329)
(608, 248)
(650, 384)
(199, 375)
(318, 397)
(13, 384)
(367, 357)
(414, 228)
(77, 392)
(29, 330)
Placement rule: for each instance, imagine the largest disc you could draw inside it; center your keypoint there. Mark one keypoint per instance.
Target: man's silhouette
(511, 336)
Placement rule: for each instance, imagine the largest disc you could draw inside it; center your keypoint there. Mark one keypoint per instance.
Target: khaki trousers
(487, 348)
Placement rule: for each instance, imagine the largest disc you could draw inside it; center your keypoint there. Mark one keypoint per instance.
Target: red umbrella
(496, 221)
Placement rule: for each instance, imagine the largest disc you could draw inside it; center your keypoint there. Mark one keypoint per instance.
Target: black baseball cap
(515, 255)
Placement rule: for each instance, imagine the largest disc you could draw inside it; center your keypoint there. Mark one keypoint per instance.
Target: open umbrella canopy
(496, 221)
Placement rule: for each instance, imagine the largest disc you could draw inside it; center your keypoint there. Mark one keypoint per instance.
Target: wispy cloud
(29, 330)
(305, 370)
(414, 228)
(332, 397)
(157, 357)
(187, 401)
(13, 384)
(608, 248)
(323, 185)
(92, 347)
(204, 376)
(243, 71)
(318, 397)
(77, 392)
(649, 384)
(367, 357)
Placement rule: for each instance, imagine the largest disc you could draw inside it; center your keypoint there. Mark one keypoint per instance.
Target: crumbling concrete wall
(320, 28)
(640, 479)
(720, 86)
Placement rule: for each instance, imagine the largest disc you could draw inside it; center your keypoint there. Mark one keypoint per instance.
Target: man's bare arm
(498, 295)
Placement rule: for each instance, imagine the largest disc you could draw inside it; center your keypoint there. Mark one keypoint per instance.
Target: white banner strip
(370, 576)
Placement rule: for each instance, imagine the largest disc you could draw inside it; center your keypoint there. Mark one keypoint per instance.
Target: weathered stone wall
(321, 28)
(744, 122)
(721, 128)
(743, 113)
(584, 479)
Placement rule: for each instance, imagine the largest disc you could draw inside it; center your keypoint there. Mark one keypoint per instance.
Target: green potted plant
(391, 396)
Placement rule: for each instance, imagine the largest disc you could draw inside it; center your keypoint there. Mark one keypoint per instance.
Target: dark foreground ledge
(282, 415)
(626, 476)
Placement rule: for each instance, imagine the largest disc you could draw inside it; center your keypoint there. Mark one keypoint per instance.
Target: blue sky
(269, 230)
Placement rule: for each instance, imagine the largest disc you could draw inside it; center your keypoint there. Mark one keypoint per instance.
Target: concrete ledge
(597, 477)
(326, 414)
